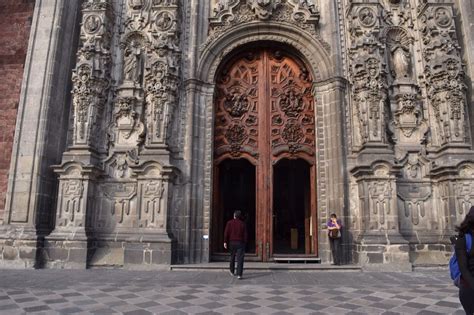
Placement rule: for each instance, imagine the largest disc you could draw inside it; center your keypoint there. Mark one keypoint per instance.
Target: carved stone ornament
(92, 24)
(126, 129)
(229, 13)
(264, 8)
(367, 17)
(443, 17)
(164, 21)
(409, 115)
(136, 4)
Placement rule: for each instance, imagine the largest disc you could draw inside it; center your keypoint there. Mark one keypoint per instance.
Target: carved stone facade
(374, 94)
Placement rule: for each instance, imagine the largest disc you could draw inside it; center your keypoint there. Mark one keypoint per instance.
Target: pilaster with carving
(91, 78)
(368, 74)
(161, 74)
(444, 73)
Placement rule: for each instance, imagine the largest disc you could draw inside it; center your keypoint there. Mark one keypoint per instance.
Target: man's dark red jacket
(236, 231)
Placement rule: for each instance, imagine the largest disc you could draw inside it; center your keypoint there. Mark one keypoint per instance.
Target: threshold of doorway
(269, 266)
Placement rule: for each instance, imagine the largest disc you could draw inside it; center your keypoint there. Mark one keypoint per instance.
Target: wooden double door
(264, 154)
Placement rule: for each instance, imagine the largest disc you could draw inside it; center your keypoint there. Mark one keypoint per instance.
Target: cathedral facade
(141, 125)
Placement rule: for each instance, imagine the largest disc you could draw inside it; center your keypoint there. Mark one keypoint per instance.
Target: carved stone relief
(91, 76)
(444, 73)
(229, 13)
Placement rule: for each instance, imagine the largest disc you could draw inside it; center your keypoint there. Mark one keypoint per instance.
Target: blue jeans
(237, 249)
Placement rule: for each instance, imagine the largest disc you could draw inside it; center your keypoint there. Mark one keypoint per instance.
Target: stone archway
(264, 114)
(328, 94)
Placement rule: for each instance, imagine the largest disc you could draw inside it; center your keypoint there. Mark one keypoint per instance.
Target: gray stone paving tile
(8, 307)
(348, 306)
(147, 304)
(37, 308)
(426, 312)
(313, 306)
(138, 312)
(415, 305)
(246, 306)
(104, 311)
(175, 312)
(447, 304)
(70, 310)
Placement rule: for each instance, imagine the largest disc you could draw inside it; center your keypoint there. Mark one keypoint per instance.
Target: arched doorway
(264, 132)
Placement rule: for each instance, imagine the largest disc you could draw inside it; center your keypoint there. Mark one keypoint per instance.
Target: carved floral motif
(236, 135)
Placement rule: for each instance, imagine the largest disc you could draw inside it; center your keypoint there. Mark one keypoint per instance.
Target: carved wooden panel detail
(292, 110)
(236, 113)
(264, 97)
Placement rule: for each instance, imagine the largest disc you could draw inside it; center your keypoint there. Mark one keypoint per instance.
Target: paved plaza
(217, 292)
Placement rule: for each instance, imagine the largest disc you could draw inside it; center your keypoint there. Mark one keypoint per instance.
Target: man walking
(235, 237)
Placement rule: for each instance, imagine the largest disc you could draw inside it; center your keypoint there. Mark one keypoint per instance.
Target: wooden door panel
(264, 112)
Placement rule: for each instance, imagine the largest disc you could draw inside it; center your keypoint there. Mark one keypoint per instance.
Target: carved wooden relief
(236, 126)
(292, 110)
(264, 97)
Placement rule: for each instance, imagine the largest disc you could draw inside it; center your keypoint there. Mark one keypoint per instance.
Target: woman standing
(334, 232)
(466, 263)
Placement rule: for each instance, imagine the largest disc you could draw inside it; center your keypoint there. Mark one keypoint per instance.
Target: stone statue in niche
(401, 62)
(132, 62)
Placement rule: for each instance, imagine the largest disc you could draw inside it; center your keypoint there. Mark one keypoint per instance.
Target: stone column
(40, 133)
(331, 179)
(67, 246)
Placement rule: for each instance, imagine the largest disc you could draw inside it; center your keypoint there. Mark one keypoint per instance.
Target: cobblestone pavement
(217, 292)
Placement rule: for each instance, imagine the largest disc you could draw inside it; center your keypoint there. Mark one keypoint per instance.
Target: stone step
(267, 266)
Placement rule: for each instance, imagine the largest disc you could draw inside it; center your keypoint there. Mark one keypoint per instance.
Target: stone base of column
(378, 251)
(136, 251)
(430, 250)
(20, 248)
(66, 250)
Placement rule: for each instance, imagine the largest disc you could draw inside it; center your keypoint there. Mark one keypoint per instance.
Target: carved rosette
(91, 76)
(444, 73)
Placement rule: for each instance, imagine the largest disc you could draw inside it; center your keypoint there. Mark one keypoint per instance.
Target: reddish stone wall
(15, 24)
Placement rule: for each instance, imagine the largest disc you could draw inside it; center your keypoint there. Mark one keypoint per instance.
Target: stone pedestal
(138, 251)
(66, 250)
(377, 251)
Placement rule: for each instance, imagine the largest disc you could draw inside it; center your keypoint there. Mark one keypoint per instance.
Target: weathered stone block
(10, 253)
(57, 253)
(77, 255)
(375, 258)
(132, 256)
(27, 252)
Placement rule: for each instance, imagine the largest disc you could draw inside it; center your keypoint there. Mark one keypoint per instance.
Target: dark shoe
(231, 273)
